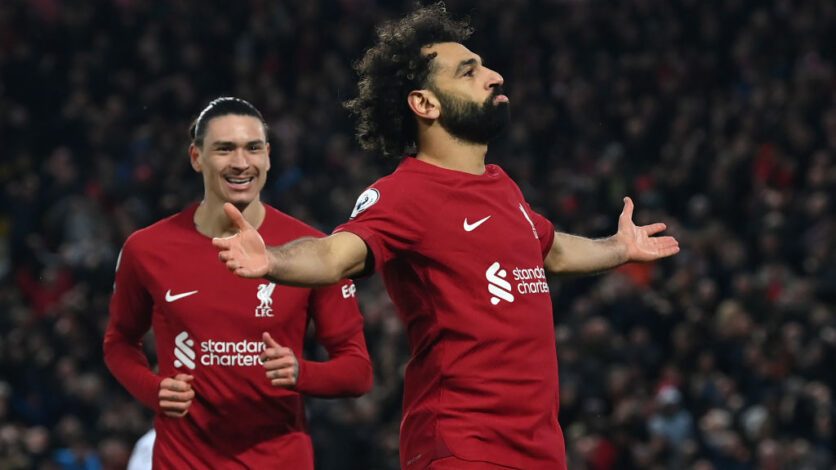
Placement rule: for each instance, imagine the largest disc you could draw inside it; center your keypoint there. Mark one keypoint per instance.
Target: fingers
(243, 272)
(176, 395)
(234, 266)
(666, 246)
(287, 370)
(244, 253)
(284, 376)
(280, 364)
(178, 383)
(658, 247)
(628, 208)
(269, 341)
(184, 377)
(173, 395)
(276, 353)
(222, 243)
(653, 229)
(175, 409)
(235, 216)
(226, 257)
(640, 241)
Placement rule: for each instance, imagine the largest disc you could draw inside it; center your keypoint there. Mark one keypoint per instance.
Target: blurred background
(717, 117)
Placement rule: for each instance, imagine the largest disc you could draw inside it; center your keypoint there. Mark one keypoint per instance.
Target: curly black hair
(392, 68)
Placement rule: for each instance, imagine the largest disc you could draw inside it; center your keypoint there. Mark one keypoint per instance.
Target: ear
(194, 157)
(424, 104)
(268, 156)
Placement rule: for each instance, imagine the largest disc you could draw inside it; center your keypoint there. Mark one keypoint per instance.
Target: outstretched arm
(571, 254)
(304, 262)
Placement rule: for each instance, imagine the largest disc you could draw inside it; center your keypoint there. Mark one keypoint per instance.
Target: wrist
(272, 265)
(300, 376)
(620, 250)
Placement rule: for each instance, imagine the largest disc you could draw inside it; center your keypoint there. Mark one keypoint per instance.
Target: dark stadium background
(717, 117)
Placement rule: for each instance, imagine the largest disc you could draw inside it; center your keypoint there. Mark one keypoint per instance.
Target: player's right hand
(176, 395)
(244, 253)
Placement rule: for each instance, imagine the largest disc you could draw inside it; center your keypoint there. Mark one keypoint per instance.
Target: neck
(211, 220)
(437, 147)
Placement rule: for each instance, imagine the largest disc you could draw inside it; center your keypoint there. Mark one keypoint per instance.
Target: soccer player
(463, 256)
(229, 392)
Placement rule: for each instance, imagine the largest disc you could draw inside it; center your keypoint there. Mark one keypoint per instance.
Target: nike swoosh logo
(471, 227)
(172, 298)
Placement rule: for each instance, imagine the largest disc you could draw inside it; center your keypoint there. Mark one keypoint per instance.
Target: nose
(494, 79)
(239, 160)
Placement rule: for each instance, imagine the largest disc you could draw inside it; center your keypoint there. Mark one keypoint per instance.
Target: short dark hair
(222, 106)
(392, 68)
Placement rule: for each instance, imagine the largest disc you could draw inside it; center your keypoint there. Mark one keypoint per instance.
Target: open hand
(244, 253)
(638, 242)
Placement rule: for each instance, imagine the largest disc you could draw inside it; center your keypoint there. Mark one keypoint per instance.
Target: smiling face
(234, 160)
(473, 106)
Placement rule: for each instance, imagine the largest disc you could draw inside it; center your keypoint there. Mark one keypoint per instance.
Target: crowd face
(473, 107)
(234, 160)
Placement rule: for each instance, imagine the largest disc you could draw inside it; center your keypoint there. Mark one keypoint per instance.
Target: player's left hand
(638, 243)
(280, 364)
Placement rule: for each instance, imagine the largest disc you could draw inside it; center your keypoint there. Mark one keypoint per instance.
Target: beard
(473, 122)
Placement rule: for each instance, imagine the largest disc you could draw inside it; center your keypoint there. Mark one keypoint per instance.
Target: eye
(469, 73)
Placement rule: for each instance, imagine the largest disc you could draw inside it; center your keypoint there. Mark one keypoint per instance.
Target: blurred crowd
(717, 116)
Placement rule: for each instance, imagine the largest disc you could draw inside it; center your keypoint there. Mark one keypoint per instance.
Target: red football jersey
(462, 258)
(209, 323)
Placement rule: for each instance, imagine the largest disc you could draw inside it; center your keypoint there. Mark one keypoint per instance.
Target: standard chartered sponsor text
(530, 280)
(231, 353)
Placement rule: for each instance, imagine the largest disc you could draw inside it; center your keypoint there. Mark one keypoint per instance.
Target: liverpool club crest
(265, 296)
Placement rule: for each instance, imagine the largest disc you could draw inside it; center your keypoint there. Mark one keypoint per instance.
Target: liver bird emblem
(265, 294)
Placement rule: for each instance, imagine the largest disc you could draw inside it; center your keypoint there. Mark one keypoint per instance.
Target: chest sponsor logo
(471, 227)
(499, 288)
(169, 297)
(265, 296)
(525, 281)
(183, 351)
(366, 200)
(242, 353)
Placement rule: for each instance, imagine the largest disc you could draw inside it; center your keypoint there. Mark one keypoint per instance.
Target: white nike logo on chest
(471, 227)
(171, 298)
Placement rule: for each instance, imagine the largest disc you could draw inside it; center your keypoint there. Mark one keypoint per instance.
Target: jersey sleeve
(543, 228)
(339, 328)
(130, 318)
(386, 219)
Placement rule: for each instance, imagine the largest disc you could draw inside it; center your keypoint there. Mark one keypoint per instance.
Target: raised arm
(572, 254)
(304, 262)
